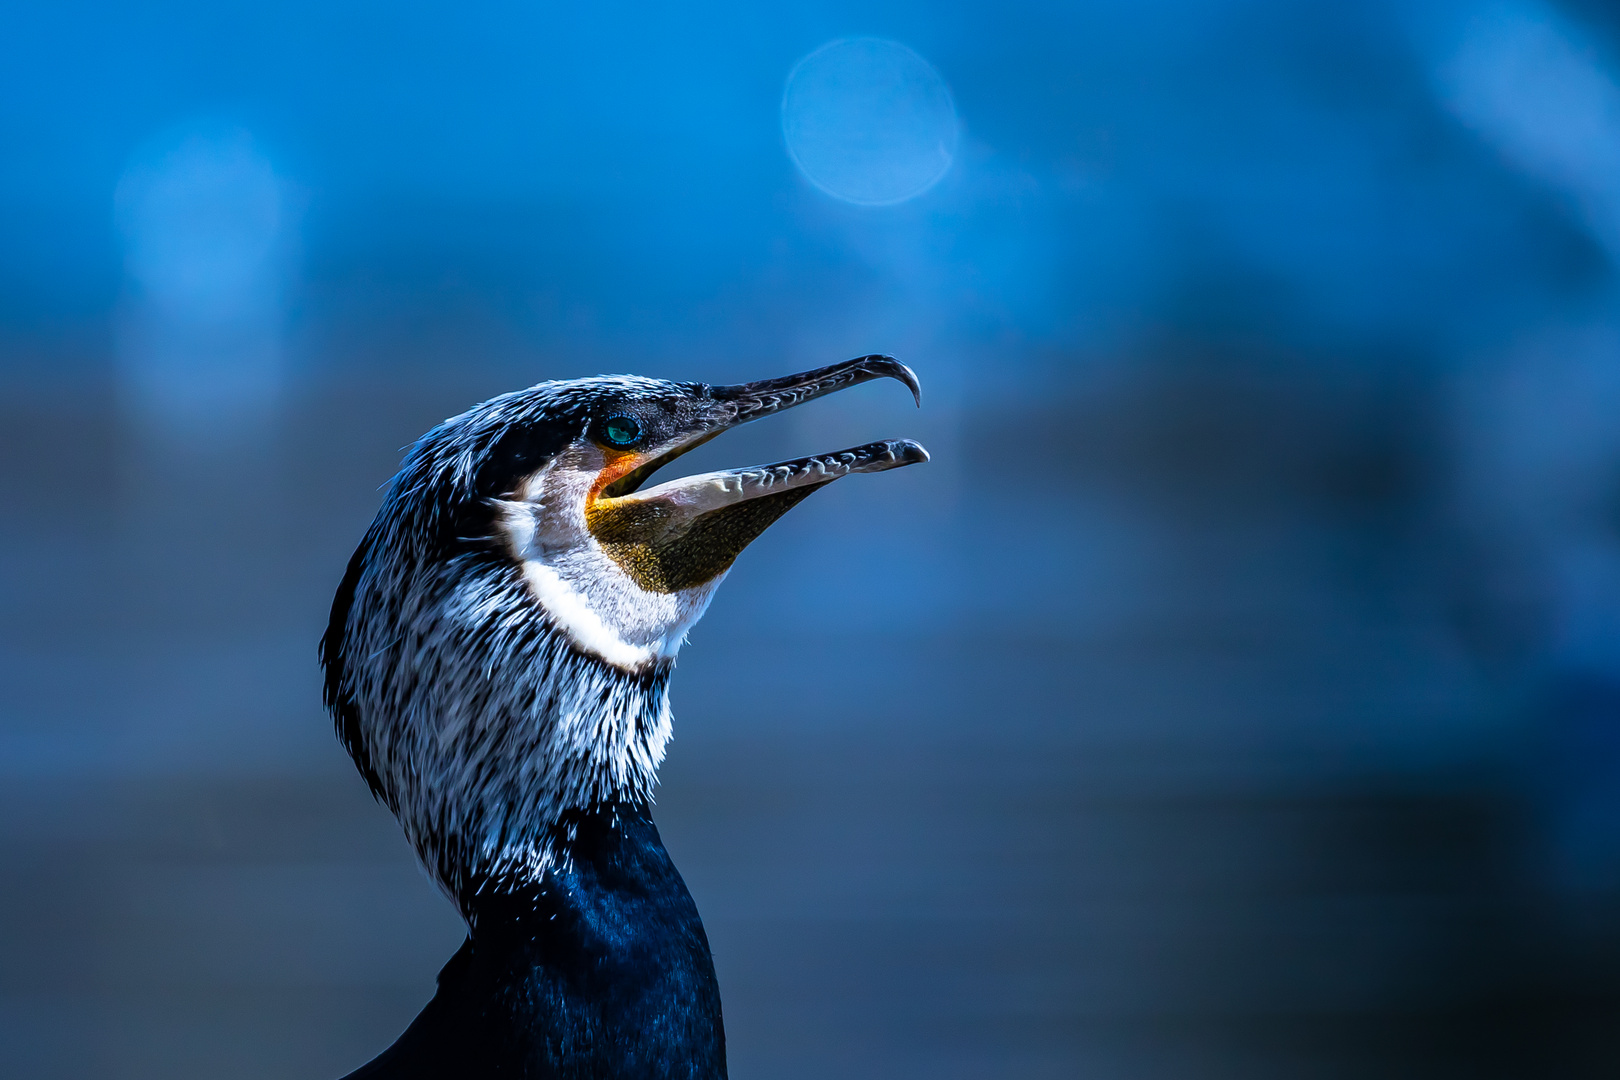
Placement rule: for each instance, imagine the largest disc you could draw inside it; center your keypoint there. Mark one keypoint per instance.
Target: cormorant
(497, 664)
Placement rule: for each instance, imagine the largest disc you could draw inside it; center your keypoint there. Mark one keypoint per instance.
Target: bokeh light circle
(869, 121)
(201, 216)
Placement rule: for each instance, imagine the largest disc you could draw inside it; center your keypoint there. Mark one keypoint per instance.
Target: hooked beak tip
(882, 364)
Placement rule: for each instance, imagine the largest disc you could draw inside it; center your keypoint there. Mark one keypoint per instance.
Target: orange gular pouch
(663, 549)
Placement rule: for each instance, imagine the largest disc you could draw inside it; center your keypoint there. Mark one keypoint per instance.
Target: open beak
(683, 533)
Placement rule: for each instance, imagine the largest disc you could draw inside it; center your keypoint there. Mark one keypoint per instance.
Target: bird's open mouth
(685, 532)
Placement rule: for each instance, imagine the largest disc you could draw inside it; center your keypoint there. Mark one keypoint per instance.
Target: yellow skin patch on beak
(660, 545)
(687, 532)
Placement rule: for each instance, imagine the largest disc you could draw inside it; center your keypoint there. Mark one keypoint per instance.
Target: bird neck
(599, 968)
(494, 736)
(586, 854)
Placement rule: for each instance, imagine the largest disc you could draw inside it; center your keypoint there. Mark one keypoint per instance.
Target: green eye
(621, 431)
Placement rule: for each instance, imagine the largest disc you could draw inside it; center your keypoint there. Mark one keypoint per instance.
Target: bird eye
(621, 431)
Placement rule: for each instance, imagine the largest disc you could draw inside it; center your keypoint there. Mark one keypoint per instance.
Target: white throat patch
(587, 594)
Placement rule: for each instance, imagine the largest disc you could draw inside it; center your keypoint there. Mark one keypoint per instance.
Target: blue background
(1236, 693)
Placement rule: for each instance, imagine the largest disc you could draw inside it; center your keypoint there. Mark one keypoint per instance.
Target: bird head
(499, 650)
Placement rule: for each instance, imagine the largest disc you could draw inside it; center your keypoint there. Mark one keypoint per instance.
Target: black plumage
(602, 971)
